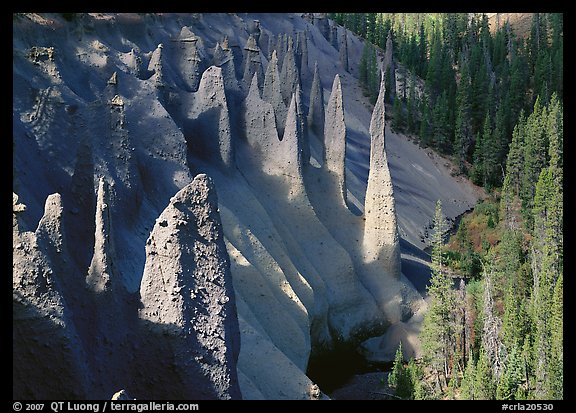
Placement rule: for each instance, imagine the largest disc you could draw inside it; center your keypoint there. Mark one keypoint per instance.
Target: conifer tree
(437, 334)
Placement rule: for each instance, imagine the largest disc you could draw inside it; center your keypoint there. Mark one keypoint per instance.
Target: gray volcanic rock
(316, 108)
(302, 127)
(344, 49)
(259, 120)
(123, 167)
(381, 241)
(289, 76)
(302, 51)
(48, 361)
(323, 25)
(252, 62)
(334, 41)
(207, 126)
(101, 272)
(97, 98)
(272, 93)
(156, 66)
(335, 137)
(187, 294)
(290, 148)
(188, 58)
(51, 237)
(224, 59)
(253, 28)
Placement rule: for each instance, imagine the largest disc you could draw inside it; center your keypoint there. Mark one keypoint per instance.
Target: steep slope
(116, 114)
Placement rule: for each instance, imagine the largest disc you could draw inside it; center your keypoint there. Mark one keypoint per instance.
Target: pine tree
(401, 378)
(492, 325)
(425, 127)
(397, 368)
(535, 153)
(547, 264)
(511, 377)
(463, 132)
(468, 379)
(438, 328)
(411, 105)
(484, 388)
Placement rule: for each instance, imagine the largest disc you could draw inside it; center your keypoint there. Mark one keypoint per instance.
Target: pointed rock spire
(389, 63)
(316, 107)
(50, 229)
(279, 48)
(188, 298)
(101, 272)
(289, 77)
(259, 123)
(155, 66)
(111, 88)
(270, 47)
(252, 62)
(253, 28)
(272, 93)
(303, 128)
(334, 37)
(381, 240)
(335, 136)
(344, 49)
(188, 58)
(213, 130)
(224, 59)
(47, 348)
(302, 52)
(291, 145)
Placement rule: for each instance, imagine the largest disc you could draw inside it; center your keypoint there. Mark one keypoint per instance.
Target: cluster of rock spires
(186, 326)
(190, 328)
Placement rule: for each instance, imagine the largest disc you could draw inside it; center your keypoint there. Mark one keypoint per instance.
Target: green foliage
(401, 378)
(512, 376)
(397, 114)
(471, 74)
(468, 380)
(493, 101)
(438, 329)
(484, 388)
(369, 75)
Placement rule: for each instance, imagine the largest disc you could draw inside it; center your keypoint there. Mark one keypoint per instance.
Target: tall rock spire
(381, 241)
(290, 148)
(187, 58)
(289, 76)
(334, 37)
(46, 345)
(252, 62)
(316, 107)
(272, 93)
(389, 63)
(224, 59)
(344, 49)
(208, 122)
(155, 66)
(335, 136)
(187, 297)
(303, 128)
(259, 124)
(302, 40)
(101, 272)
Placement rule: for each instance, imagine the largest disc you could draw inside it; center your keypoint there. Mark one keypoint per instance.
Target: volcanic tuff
(187, 211)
